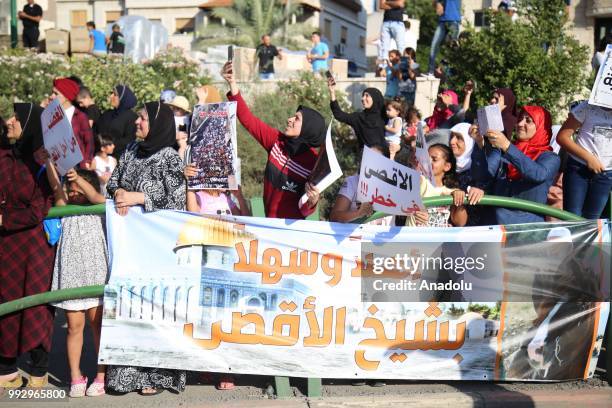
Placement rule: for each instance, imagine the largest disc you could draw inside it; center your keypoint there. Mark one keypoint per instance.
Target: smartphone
(182, 128)
(230, 53)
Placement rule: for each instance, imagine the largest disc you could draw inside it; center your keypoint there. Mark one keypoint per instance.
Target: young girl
(393, 129)
(104, 163)
(411, 122)
(215, 202)
(587, 180)
(81, 260)
(444, 170)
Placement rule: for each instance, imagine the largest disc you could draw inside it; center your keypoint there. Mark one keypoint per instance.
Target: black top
(394, 14)
(121, 127)
(266, 56)
(117, 43)
(93, 113)
(34, 10)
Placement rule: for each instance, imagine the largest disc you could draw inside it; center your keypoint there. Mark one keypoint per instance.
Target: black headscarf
(509, 114)
(162, 132)
(31, 138)
(127, 99)
(312, 133)
(370, 126)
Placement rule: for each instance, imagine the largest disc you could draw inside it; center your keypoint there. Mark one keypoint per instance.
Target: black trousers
(30, 37)
(40, 363)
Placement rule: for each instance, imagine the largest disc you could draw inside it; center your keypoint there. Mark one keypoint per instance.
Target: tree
(535, 56)
(254, 18)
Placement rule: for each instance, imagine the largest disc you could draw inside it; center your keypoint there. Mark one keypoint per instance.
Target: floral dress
(160, 178)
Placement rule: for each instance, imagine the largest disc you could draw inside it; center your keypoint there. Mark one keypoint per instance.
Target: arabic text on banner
(59, 139)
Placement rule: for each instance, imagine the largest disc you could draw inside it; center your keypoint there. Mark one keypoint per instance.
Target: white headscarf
(464, 162)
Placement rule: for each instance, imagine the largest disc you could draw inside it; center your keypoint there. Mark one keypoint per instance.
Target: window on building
(362, 42)
(327, 29)
(112, 16)
(207, 296)
(234, 298)
(264, 299)
(481, 19)
(221, 298)
(343, 35)
(78, 18)
(185, 25)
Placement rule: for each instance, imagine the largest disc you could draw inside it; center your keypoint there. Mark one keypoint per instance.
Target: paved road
(249, 392)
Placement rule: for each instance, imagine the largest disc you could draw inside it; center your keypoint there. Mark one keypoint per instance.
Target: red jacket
(83, 133)
(285, 177)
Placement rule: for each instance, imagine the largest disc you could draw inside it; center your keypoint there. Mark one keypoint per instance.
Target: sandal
(226, 383)
(16, 382)
(96, 389)
(38, 382)
(78, 387)
(155, 391)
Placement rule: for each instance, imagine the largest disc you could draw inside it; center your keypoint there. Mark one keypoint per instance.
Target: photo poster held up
(423, 161)
(392, 188)
(59, 139)
(601, 93)
(213, 148)
(326, 170)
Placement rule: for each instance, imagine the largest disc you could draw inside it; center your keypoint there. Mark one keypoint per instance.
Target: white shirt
(69, 113)
(595, 134)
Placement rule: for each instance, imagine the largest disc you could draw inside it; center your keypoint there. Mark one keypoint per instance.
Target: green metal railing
(282, 383)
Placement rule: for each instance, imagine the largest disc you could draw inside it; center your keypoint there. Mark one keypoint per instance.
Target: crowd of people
(137, 158)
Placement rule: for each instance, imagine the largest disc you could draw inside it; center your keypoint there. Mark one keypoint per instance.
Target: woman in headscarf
(462, 146)
(292, 155)
(369, 124)
(26, 259)
(524, 169)
(149, 174)
(447, 113)
(120, 121)
(506, 100)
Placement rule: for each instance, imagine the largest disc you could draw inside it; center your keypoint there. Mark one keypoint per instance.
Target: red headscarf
(539, 143)
(67, 87)
(440, 116)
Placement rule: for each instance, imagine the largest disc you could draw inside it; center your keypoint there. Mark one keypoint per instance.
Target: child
(444, 168)
(346, 208)
(116, 42)
(88, 105)
(412, 119)
(81, 260)
(409, 72)
(104, 163)
(587, 180)
(393, 130)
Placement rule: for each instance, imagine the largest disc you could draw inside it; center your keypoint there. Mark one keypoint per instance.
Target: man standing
(30, 17)
(319, 53)
(392, 27)
(97, 40)
(265, 53)
(449, 12)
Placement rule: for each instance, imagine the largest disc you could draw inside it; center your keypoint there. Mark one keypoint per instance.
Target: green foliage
(28, 76)
(486, 311)
(424, 11)
(514, 55)
(248, 20)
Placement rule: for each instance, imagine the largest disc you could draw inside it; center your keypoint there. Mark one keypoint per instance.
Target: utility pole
(13, 23)
(286, 27)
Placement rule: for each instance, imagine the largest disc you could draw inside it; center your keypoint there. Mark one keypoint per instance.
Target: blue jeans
(389, 30)
(269, 75)
(584, 192)
(444, 28)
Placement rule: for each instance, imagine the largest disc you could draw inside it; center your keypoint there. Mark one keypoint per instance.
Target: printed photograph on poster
(392, 188)
(326, 170)
(602, 136)
(601, 93)
(212, 146)
(422, 159)
(59, 139)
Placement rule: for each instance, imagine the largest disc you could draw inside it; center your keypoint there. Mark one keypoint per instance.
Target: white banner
(59, 139)
(391, 187)
(601, 94)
